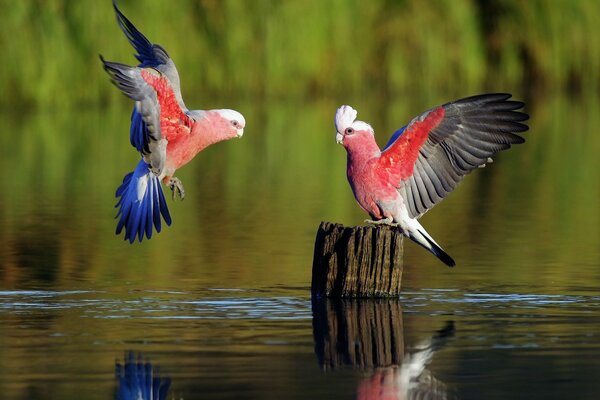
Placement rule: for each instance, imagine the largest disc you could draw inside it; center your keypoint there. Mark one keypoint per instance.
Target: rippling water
(224, 343)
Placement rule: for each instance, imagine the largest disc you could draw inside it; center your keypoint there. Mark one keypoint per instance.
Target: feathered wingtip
(126, 78)
(344, 117)
(148, 54)
(141, 204)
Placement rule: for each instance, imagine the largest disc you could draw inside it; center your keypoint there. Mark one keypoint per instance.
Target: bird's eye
(349, 131)
(235, 123)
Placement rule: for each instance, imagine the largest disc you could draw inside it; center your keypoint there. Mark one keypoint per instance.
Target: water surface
(277, 344)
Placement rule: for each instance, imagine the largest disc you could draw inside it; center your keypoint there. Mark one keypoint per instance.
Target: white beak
(240, 132)
(339, 138)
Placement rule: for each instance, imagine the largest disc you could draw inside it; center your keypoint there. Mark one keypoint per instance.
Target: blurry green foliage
(299, 48)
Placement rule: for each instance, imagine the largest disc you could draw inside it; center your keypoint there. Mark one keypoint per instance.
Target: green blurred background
(304, 49)
(254, 205)
(528, 223)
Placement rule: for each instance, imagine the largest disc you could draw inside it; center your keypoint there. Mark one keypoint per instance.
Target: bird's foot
(385, 221)
(177, 187)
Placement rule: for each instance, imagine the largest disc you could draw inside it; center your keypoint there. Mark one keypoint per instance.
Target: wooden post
(363, 334)
(361, 261)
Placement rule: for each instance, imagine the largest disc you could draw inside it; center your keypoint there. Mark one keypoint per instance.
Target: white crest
(345, 117)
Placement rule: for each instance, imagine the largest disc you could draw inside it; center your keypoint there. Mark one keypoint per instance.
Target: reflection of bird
(410, 380)
(426, 159)
(412, 374)
(163, 130)
(137, 380)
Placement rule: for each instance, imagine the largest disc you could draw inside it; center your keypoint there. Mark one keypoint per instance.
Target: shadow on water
(369, 335)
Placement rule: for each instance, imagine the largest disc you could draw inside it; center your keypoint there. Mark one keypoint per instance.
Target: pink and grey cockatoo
(426, 159)
(163, 130)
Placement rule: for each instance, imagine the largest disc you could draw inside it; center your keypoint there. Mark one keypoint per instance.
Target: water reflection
(63, 232)
(358, 333)
(139, 379)
(369, 335)
(411, 379)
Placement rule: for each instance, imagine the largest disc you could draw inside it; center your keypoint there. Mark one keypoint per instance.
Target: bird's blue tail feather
(141, 204)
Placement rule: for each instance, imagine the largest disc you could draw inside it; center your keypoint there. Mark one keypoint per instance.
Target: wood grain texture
(362, 261)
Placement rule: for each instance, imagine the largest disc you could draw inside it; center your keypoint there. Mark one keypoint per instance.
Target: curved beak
(339, 138)
(239, 132)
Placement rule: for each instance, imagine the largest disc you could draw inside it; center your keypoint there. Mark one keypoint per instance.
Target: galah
(163, 131)
(426, 159)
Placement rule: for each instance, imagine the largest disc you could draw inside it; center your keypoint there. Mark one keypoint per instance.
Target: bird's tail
(141, 203)
(421, 237)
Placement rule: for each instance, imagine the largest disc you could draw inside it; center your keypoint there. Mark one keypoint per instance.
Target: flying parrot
(163, 131)
(426, 159)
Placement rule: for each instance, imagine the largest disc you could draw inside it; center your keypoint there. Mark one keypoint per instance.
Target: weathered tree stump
(362, 334)
(361, 261)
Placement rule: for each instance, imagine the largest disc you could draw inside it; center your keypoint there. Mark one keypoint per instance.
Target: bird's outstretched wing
(157, 112)
(150, 56)
(430, 156)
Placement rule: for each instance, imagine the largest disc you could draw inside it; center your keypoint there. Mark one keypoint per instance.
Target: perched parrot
(426, 159)
(163, 130)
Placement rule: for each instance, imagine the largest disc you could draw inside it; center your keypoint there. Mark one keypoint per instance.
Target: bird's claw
(385, 221)
(177, 187)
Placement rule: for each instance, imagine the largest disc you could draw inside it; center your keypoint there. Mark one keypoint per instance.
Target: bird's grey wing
(437, 149)
(146, 133)
(149, 54)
